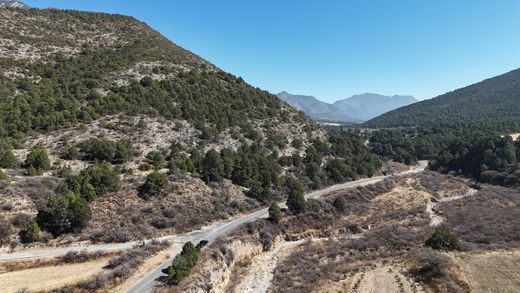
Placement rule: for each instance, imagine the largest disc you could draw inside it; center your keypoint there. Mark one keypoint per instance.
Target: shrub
(102, 150)
(155, 158)
(71, 153)
(5, 231)
(102, 177)
(31, 233)
(340, 203)
(155, 184)
(4, 181)
(21, 220)
(275, 214)
(37, 161)
(430, 264)
(8, 160)
(442, 239)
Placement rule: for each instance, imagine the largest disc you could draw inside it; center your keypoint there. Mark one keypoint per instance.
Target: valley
(130, 164)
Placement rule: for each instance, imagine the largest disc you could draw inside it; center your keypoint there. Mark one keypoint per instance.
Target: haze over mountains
(357, 108)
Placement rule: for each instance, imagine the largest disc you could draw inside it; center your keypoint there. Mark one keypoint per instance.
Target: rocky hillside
(492, 104)
(101, 117)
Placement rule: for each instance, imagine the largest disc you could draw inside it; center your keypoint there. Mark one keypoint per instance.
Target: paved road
(146, 283)
(209, 233)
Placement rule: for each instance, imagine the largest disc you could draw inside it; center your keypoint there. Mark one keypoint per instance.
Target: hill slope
(367, 106)
(315, 108)
(101, 117)
(492, 104)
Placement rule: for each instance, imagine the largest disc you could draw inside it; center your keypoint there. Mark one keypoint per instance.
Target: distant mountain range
(492, 104)
(12, 4)
(357, 108)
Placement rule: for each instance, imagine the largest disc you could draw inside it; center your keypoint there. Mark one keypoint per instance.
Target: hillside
(367, 106)
(492, 104)
(110, 132)
(357, 108)
(314, 108)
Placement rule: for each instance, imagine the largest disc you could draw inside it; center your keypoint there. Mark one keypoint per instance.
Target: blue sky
(334, 49)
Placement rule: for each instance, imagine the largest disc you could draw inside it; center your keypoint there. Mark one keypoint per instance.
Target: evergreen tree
(212, 167)
(295, 201)
(275, 214)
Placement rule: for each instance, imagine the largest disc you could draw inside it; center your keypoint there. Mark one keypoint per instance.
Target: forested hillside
(101, 118)
(492, 104)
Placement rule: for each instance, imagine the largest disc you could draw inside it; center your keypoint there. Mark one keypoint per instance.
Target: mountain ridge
(357, 108)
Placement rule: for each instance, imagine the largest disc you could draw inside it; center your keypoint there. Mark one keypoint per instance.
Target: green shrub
(8, 160)
(103, 150)
(155, 184)
(94, 181)
(442, 239)
(4, 181)
(37, 161)
(340, 203)
(31, 233)
(156, 159)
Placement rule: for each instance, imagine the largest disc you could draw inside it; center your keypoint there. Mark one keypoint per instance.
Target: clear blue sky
(333, 49)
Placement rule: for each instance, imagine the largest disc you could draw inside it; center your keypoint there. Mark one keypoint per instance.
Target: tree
(340, 203)
(212, 166)
(442, 239)
(65, 212)
(295, 201)
(37, 161)
(154, 185)
(8, 160)
(275, 214)
(31, 233)
(183, 263)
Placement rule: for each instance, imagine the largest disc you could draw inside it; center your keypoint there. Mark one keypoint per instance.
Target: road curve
(210, 233)
(147, 282)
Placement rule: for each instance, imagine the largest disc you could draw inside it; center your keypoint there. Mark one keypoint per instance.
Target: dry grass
(69, 258)
(497, 271)
(51, 277)
(486, 220)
